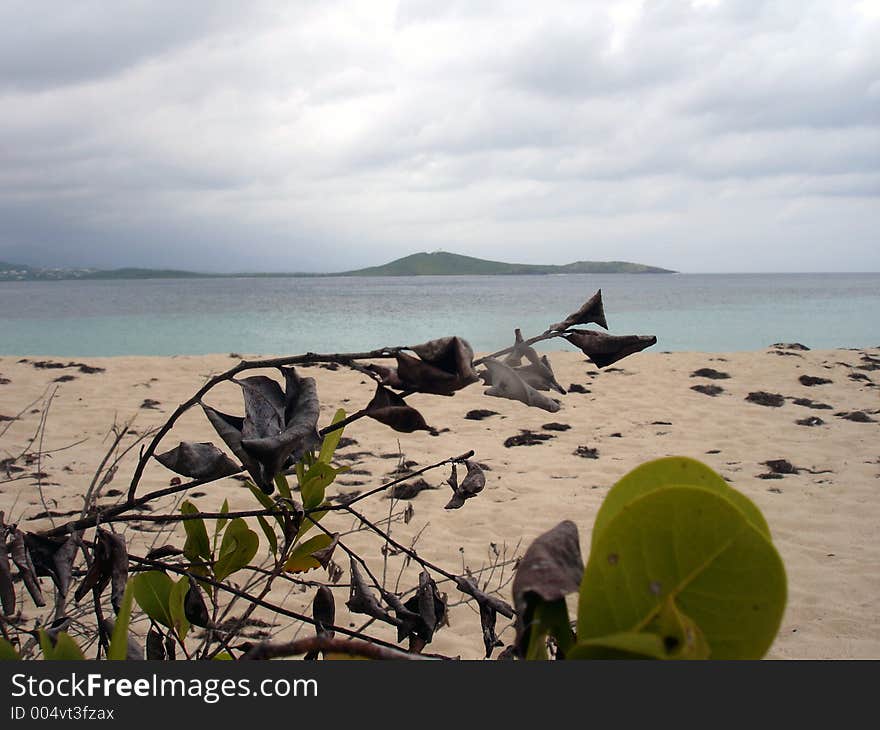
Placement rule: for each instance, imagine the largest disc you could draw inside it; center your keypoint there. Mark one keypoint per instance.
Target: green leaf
(65, 648)
(626, 645)
(308, 523)
(694, 547)
(223, 656)
(315, 483)
(179, 622)
(7, 651)
(118, 649)
(283, 486)
(672, 471)
(549, 618)
(221, 523)
(152, 591)
(301, 559)
(331, 440)
(197, 544)
(682, 638)
(269, 533)
(265, 500)
(238, 547)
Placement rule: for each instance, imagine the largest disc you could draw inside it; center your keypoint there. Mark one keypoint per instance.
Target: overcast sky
(319, 136)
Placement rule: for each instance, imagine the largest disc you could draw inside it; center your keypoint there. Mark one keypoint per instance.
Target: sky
(712, 136)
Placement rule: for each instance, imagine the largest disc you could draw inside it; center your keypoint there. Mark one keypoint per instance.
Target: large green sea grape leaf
(692, 546)
(673, 470)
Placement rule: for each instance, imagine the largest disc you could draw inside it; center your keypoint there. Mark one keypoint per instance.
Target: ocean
(699, 312)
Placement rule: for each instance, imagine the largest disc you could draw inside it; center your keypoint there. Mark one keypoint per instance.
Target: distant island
(439, 263)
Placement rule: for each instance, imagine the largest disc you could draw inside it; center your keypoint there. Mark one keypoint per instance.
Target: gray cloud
(701, 136)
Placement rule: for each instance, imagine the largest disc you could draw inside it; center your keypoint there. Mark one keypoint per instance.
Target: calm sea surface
(707, 312)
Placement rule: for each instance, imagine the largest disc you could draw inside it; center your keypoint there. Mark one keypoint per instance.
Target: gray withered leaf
(539, 374)
(133, 650)
(407, 620)
(490, 607)
(515, 358)
(52, 557)
(155, 645)
(278, 427)
(442, 367)
(387, 376)
(198, 460)
(604, 349)
(591, 311)
(194, 607)
(430, 608)
(470, 486)
(507, 384)
(324, 611)
(551, 568)
(109, 563)
(362, 600)
(118, 566)
(7, 589)
(22, 558)
(389, 408)
(325, 555)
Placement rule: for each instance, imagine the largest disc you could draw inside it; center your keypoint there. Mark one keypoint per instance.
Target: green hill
(442, 263)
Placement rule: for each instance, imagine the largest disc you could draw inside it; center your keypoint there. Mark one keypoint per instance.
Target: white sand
(824, 520)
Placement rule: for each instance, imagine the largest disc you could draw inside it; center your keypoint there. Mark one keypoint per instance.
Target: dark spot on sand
(5, 381)
(113, 493)
(714, 451)
(345, 442)
(235, 355)
(527, 438)
(810, 380)
(857, 416)
(6, 418)
(345, 497)
(554, 426)
(710, 373)
(775, 490)
(712, 390)
(577, 388)
(350, 482)
(355, 455)
(860, 377)
(64, 378)
(616, 435)
(149, 403)
(810, 421)
(196, 495)
(770, 475)
(661, 423)
(390, 455)
(808, 403)
(790, 346)
(781, 466)
(762, 398)
(359, 472)
(409, 490)
(479, 414)
(586, 452)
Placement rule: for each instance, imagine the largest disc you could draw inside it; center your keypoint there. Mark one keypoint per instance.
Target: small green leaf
(179, 622)
(283, 486)
(269, 533)
(301, 559)
(265, 500)
(238, 547)
(221, 523)
(672, 471)
(197, 544)
(65, 648)
(152, 591)
(223, 656)
(315, 483)
(7, 651)
(331, 440)
(118, 649)
(308, 523)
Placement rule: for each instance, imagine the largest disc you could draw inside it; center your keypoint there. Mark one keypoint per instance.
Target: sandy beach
(824, 517)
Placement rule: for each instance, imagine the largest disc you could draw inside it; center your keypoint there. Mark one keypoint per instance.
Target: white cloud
(701, 136)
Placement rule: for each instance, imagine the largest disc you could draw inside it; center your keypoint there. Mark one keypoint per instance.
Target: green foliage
(176, 599)
(152, 591)
(7, 651)
(118, 649)
(301, 557)
(681, 567)
(64, 648)
(197, 544)
(238, 547)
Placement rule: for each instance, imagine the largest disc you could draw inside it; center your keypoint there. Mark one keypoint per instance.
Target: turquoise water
(706, 312)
